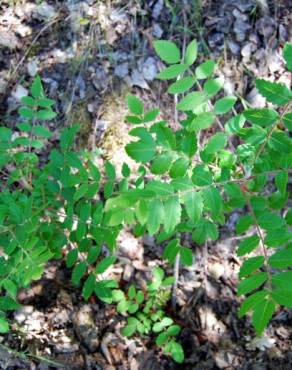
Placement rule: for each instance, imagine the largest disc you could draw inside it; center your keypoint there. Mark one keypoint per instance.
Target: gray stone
(32, 67)
(122, 70)
(45, 11)
(86, 328)
(8, 40)
(240, 27)
(233, 47)
(149, 69)
(19, 92)
(157, 31)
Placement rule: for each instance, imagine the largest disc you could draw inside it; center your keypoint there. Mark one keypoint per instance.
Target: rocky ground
(89, 55)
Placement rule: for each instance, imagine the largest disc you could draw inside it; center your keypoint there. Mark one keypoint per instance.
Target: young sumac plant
(188, 181)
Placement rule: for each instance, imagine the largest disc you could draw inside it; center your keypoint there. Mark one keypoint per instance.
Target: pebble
(19, 92)
(157, 31)
(233, 47)
(255, 99)
(85, 327)
(247, 50)
(157, 9)
(32, 67)
(149, 69)
(122, 70)
(137, 79)
(240, 28)
(22, 30)
(45, 11)
(8, 40)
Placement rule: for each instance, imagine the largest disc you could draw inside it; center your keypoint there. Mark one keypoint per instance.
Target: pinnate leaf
(275, 93)
(167, 51)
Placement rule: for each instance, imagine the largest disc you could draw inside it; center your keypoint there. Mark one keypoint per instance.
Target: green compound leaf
(105, 264)
(172, 211)
(186, 256)
(8, 304)
(287, 119)
(213, 201)
(172, 71)
(135, 105)
(252, 301)
(177, 352)
(282, 280)
(202, 176)
(161, 164)
(251, 265)
(191, 101)
(216, 143)
(155, 216)
(179, 168)
(251, 283)
(191, 53)
(193, 202)
(212, 87)
(224, 105)
(4, 326)
(270, 221)
(151, 115)
(201, 122)
(287, 54)
(262, 315)
(181, 85)
(205, 70)
(275, 93)
(281, 259)
(248, 245)
(78, 272)
(264, 117)
(281, 181)
(205, 230)
(167, 51)
(283, 297)
(36, 89)
(143, 150)
(88, 287)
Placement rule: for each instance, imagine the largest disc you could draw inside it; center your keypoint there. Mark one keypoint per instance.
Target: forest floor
(89, 55)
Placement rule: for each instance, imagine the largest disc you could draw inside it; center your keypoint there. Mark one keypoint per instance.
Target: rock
(283, 35)
(100, 79)
(8, 40)
(262, 344)
(22, 30)
(32, 67)
(45, 11)
(137, 79)
(128, 272)
(3, 84)
(274, 62)
(149, 69)
(266, 26)
(157, 31)
(233, 47)
(129, 246)
(157, 9)
(23, 313)
(244, 5)
(122, 70)
(216, 40)
(240, 28)
(19, 92)
(216, 270)
(247, 50)
(255, 99)
(85, 328)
